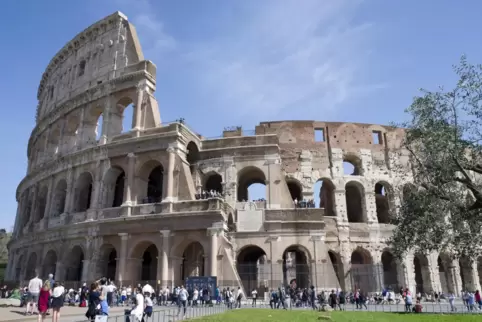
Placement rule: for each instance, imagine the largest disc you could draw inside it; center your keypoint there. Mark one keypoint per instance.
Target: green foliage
(443, 210)
(4, 239)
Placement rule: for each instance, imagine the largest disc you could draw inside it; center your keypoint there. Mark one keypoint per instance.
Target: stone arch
(467, 274)
(445, 269)
(363, 272)
(390, 270)
(326, 195)
(151, 181)
(422, 273)
(31, 266)
(337, 263)
(54, 144)
(20, 262)
(114, 183)
(122, 109)
(213, 181)
(193, 261)
(384, 202)
(83, 192)
(41, 203)
(107, 265)
(74, 264)
(251, 264)
(352, 165)
(295, 189)
(50, 263)
(147, 254)
(192, 155)
(70, 135)
(355, 202)
(296, 259)
(60, 196)
(246, 177)
(92, 116)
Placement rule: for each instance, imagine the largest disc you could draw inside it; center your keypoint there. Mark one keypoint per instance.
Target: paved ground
(170, 313)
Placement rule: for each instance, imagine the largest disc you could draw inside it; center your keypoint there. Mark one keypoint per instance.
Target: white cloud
(305, 55)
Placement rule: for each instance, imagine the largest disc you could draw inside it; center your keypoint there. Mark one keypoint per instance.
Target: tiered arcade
(100, 200)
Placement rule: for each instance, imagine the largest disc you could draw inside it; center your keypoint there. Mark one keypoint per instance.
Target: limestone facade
(99, 200)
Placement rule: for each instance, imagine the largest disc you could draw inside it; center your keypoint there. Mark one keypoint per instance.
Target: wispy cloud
(287, 57)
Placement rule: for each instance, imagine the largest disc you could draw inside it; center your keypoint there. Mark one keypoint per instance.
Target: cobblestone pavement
(170, 313)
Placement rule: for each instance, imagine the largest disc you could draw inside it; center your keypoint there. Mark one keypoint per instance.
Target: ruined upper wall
(89, 59)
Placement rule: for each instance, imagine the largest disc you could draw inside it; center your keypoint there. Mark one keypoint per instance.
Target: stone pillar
(123, 257)
(46, 152)
(50, 196)
(340, 205)
(370, 207)
(79, 144)
(166, 236)
(59, 271)
(170, 175)
(317, 271)
(85, 270)
(274, 244)
(214, 232)
(61, 136)
(457, 279)
(106, 121)
(141, 87)
(70, 196)
(131, 168)
(34, 204)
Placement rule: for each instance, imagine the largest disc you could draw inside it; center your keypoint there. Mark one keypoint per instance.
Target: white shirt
(138, 311)
(111, 288)
(58, 291)
(254, 293)
(148, 289)
(35, 285)
(129, 291)
(123, 293)
(195, 294)
(183, 294)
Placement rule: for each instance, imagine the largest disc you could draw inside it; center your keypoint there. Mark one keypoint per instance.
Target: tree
(442, 210)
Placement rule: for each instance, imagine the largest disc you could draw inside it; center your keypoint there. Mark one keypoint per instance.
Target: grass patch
(262, 315)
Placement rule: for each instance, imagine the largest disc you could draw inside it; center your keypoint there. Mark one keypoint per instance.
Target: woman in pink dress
(43, 301)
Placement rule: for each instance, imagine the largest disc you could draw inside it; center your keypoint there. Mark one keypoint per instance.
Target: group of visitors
(304, 203)
(45, 296)
(208, 194)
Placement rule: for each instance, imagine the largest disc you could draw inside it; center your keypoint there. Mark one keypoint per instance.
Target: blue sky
(223, 63)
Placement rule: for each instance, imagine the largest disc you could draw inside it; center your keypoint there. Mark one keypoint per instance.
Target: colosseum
(159, 202)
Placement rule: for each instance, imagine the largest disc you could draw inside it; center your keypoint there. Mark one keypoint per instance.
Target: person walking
(43, 301)
(34, 287)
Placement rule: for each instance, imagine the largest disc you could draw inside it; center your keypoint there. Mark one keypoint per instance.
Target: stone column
(106, 121)
(370, 207)
(70, 196)
(455, 275)
(46, 152)
(80, 131)
(340, 205)
(61, 136)
(85, 270)
(123, 257)
(274, 242)
(48, 202)
(170, 175)
(141, 87)
(166, 236)
(214, 232)
(318, 241)
(34, 204)
(131, 168)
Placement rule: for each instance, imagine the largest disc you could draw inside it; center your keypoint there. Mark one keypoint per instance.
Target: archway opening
(324, 193)
(83, 189)
(295, 190)
(251, 184)
(383, 202)
(390, 271)
(479, 269)
(149, 263)
(252, 268)
(18, 268)
(113, 192)
(213, 183)
(128, 118)
(75, 263)
(31, 266)
(98, 127)
(60, 194)
(193, 261)
(354, 202)
(363, 273)
(296, 270)
(154, 184)
(41, 204)
(338, 268)
(192, 156)
(111, 269)
(50, 263)
(352, 166)
(444, 273)
(54, 140)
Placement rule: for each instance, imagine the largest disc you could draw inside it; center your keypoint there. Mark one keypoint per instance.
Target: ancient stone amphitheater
(130, 204)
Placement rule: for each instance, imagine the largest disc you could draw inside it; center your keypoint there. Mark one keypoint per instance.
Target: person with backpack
(239, 297)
